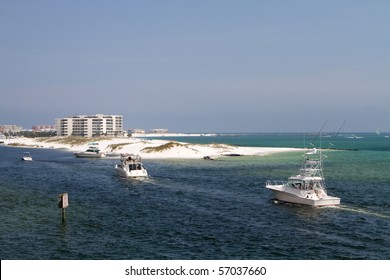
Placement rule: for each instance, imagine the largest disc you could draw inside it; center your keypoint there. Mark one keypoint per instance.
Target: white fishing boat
(26, 156)
(130, 165)
(93, 151)
(354, 136)
(308, 187)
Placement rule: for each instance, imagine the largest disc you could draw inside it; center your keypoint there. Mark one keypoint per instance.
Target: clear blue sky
(201, 66)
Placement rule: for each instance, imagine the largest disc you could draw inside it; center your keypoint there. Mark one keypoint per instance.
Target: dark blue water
(192, 209)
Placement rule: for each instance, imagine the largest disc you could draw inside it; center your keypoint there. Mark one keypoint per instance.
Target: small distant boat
(93, 151)
(113, 154)
(130, 166)
(353, 136)
(308, 187)
(27, 157)
(208, 158)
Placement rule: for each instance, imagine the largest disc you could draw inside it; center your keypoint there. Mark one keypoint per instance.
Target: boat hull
(285, 196)
(89, 155)
(130, 174)
(27, 158)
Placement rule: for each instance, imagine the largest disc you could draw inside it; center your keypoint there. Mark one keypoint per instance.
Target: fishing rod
(319, 133)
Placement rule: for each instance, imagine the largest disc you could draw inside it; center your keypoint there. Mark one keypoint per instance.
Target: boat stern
(327, 201)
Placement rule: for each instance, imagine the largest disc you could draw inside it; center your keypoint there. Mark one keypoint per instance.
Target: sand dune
(145, 148)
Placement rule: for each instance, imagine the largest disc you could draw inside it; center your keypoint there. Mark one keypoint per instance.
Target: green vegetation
(164, 147)
(23, 145)
(31, 134)
(220, 146)
(73, 140)
(119, 146)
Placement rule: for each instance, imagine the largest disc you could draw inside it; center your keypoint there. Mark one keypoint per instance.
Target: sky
(198, 66)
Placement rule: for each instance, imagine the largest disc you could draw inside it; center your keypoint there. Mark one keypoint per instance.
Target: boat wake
(136, 179)
(342, 207)
(364, 211)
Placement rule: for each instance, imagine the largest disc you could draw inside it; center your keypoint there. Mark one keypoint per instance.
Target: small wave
(137, 181)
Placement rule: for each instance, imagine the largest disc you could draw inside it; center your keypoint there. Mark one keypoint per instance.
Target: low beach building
(90, 125)
(159, 130)
(136, 130)
(43, 128)
(10, 128)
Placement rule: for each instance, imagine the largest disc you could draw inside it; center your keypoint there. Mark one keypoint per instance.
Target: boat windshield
(136, 166)
(306, 184)
(298, 184)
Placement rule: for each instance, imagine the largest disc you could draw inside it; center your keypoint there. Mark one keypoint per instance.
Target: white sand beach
(145, 148)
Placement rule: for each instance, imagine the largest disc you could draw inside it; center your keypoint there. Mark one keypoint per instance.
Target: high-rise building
(90, 125)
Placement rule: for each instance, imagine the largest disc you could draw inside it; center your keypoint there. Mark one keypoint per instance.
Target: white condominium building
(90, 125)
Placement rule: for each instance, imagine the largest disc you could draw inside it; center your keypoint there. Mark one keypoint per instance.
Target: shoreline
(146, 148)
(173, 134)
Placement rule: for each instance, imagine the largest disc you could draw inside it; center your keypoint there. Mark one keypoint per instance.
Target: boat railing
(130, 158)
(275, 182)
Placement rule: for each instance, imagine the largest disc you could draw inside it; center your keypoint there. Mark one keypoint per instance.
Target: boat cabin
(306, 184)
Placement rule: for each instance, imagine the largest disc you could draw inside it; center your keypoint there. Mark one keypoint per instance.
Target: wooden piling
(63, 215)
(63, 203)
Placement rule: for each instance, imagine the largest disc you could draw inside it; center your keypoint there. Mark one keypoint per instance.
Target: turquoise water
(196, 209)
(362, 141)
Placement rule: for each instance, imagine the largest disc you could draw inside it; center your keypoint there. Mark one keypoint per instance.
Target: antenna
(319, 132)
(340, 128)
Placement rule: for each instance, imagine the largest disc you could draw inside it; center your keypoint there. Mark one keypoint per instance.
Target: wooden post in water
(63, 203)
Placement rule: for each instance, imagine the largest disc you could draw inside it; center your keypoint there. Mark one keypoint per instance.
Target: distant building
(9, 128)
(159, 130)
(90, 125)
(43, 128)
(136, 130)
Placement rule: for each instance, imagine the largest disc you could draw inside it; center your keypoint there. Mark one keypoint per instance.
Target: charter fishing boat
(308, 187)
(26, 156)
(93, 151)
(130, 165)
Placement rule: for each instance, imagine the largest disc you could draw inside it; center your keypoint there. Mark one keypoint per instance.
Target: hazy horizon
(198, 66)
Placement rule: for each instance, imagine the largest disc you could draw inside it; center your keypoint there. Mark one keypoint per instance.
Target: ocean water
(196, 209)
